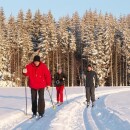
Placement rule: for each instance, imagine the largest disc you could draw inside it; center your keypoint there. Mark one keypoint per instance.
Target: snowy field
(111, 111)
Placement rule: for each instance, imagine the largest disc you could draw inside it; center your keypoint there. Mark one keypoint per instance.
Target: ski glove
(24, 70)
(48, 87)
(96, 86)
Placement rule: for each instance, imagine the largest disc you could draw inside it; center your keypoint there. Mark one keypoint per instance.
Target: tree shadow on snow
(14, 97)
(14, 109)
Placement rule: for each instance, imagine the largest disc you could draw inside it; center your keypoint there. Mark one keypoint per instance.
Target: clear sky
(61, 8)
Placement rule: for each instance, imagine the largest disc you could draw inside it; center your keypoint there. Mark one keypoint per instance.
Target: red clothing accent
(60, 93)
(39, 76)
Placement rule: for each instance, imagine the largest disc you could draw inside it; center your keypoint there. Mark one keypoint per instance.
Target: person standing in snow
(91, 84)
(39, 77)
(59, 79)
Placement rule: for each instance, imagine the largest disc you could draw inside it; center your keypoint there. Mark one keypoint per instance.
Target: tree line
(70, 42)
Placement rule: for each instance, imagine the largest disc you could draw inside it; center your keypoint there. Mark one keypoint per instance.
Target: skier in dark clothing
(91, 84)
(59, 79)
(39, 78)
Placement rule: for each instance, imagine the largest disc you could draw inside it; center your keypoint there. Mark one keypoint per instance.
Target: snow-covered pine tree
(98, 49)
(106, 41)
(19, 45)
(125, 50)
(53, 44)
(76, 27)
(28, 22)
(50, 38)
(36, 33)
(103, 40)
(72, 47)
(12, 40)
(88, 46)
(24, 29)
(67, 44)
(4, 47)
(61, 55)
(111, 26)
(128, 49)
(117, 56)
(27, 45)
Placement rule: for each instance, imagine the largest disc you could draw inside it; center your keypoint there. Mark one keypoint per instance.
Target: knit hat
(89, 65)
(59, 67)
(36, 58)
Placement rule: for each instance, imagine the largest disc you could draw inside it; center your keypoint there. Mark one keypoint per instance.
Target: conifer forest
(101, 40)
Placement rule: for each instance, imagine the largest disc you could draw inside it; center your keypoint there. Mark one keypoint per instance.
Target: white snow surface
(111, 110)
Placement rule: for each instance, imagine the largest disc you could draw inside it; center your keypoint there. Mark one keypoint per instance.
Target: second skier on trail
(59, 79)
(91, 84)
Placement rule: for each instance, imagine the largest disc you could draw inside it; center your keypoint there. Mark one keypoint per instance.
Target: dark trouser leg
(34, 101)
(92, 91)
(41, 102)
(88, 94)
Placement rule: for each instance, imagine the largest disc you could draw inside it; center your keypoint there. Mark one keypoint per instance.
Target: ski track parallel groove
(71, 115)
(79, 117)
(90, 120)
(50, 114)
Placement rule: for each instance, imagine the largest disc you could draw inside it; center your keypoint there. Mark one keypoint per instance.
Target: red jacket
(39, 76)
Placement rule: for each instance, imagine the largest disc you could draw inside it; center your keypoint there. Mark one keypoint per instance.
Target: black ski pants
(90, 93)
(41, 101)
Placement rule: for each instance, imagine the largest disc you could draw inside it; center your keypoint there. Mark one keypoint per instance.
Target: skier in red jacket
(39, 78)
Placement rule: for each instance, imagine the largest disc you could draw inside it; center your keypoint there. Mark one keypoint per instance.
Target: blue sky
(61, 8)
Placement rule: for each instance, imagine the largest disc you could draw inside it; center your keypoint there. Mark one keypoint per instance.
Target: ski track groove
(90, 118)
(35, 125)
(30, 123)
(72, 114)
(49, 120)
(25, 123)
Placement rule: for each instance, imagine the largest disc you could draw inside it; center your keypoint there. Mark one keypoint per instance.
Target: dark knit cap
(89, 65)
(36, 58)
(59, 67)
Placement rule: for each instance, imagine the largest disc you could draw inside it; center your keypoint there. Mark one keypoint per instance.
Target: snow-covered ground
(111, 111)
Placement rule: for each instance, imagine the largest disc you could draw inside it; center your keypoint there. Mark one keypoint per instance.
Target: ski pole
(52, 92)
(26, 80)
(53, 106)
(66, 95)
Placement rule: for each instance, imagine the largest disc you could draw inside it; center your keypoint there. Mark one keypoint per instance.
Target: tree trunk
(116, 70)
(18, 79)
(60, 59)
(120, 70)
(68, 69)
(111, 72)
(57, 63)
(64, 64)
(53, 67)
(123, 70)
(48, 61)
(72, 69)
(126, 72)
